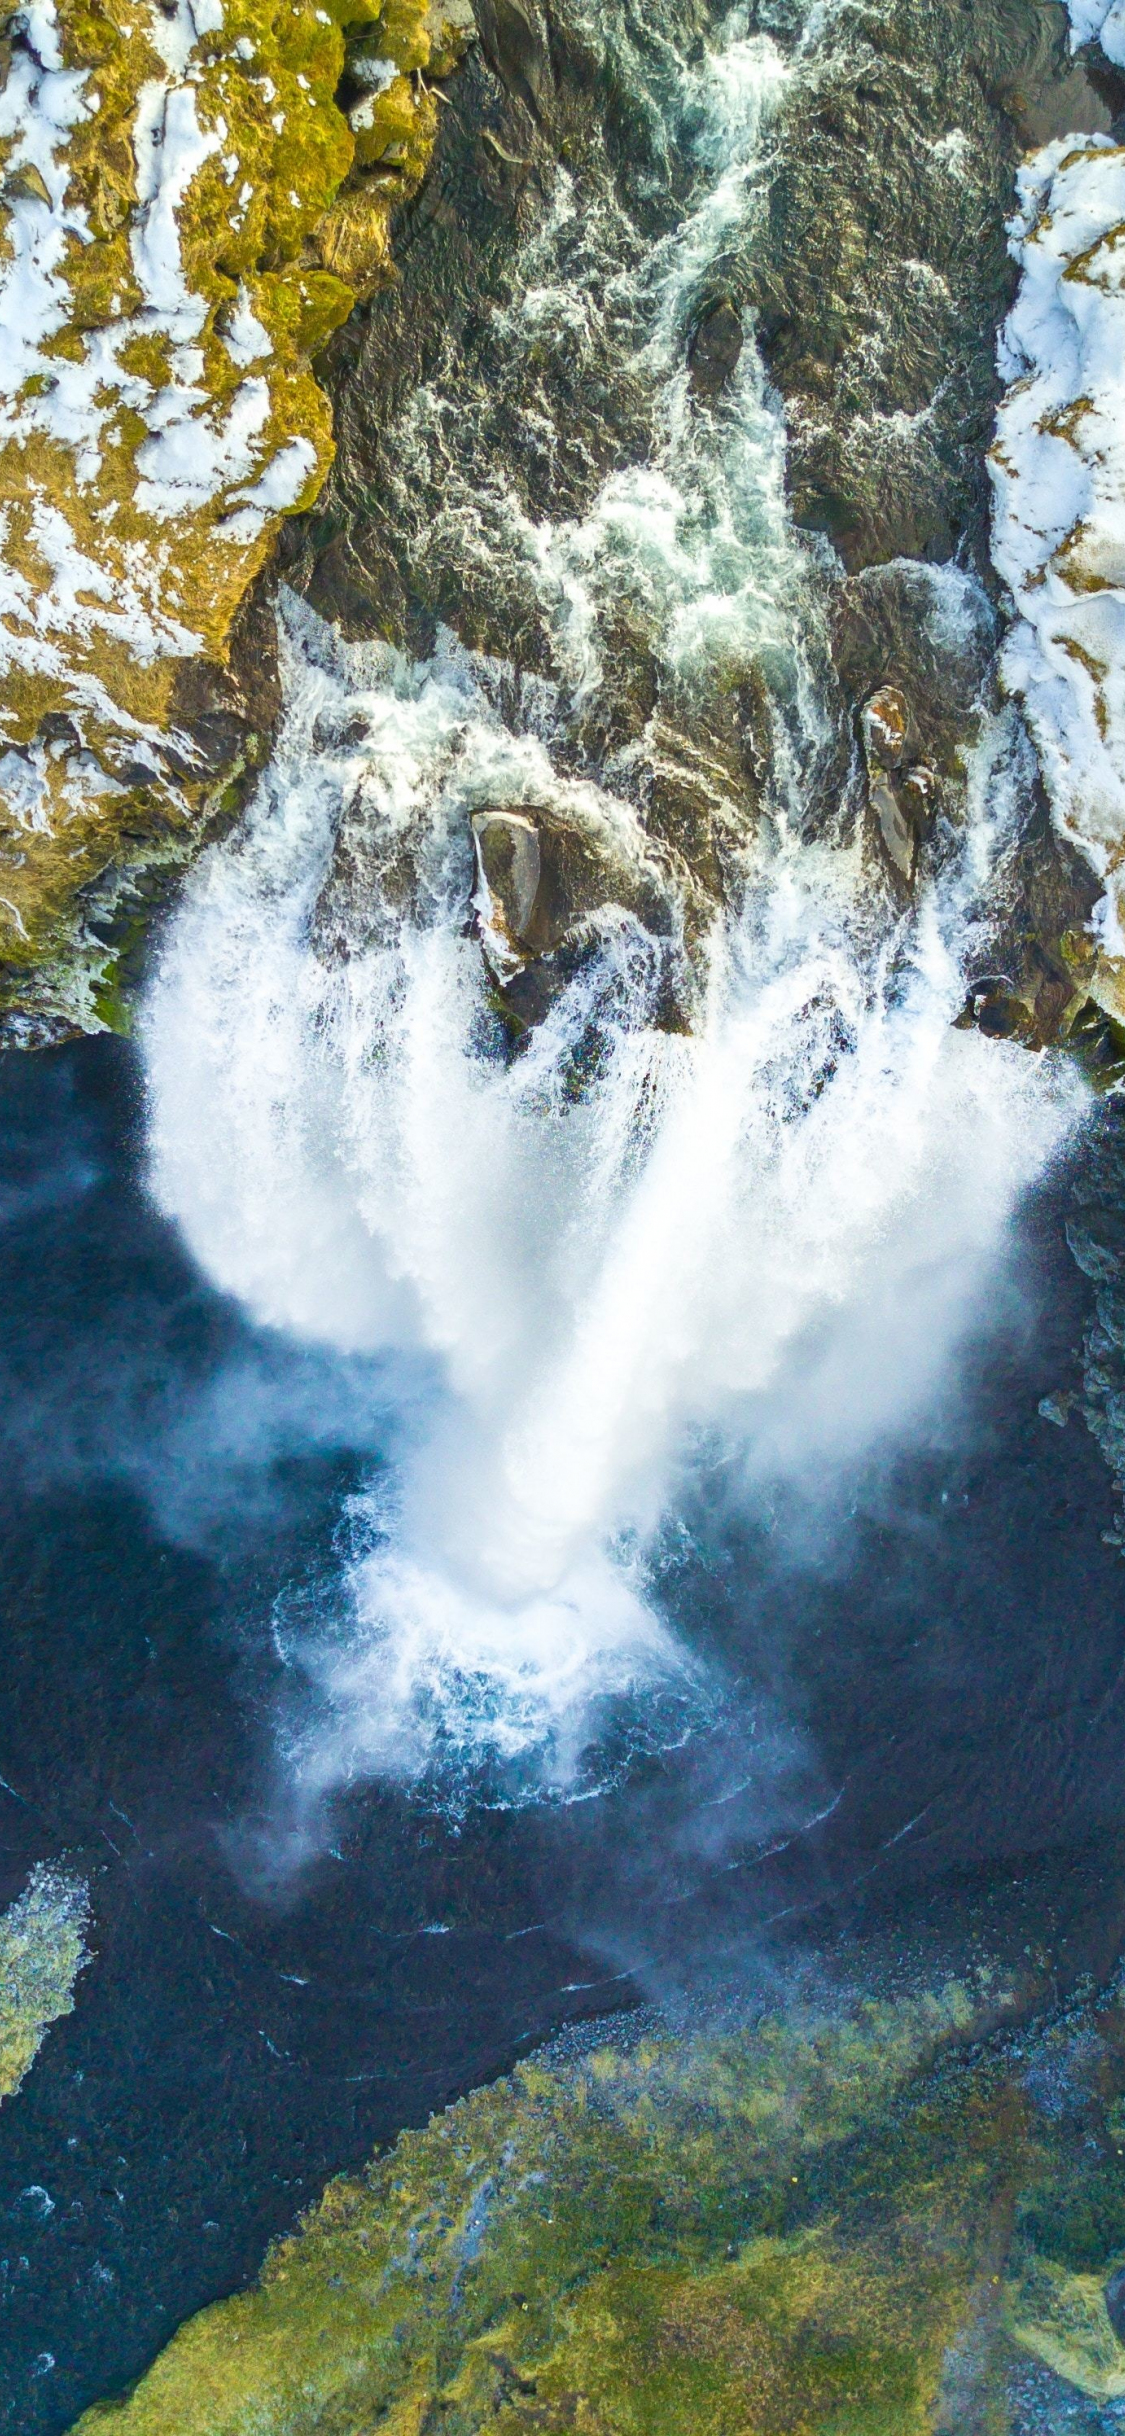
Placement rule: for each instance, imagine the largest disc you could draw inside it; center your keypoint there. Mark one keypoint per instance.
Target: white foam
(774, 1230)
(778, 1228)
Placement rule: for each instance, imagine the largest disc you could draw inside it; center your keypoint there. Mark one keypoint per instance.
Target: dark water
(922, 1752)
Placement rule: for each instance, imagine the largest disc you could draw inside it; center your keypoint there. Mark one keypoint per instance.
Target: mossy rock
(42, 1950)
(776, 2234)
(163, 417)
(826, 2226)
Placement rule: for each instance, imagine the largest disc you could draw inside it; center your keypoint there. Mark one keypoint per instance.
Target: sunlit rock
(885, 722)
(185, 221)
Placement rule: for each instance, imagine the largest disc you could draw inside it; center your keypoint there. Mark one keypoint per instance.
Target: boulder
(714, 349)
(509, 894)
(885, 720)
(541, 881)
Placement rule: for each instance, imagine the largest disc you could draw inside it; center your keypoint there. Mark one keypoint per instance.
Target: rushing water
(771, 1229)
(650, 1413)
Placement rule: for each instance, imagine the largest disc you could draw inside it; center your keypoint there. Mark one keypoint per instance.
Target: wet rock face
(715, 348)
(541, 882)
(872, 266)
(516, 45)
(883, 271)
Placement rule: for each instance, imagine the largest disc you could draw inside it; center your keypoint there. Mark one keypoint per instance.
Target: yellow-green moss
(42, 1950)
(276, 221)
(775, 2234)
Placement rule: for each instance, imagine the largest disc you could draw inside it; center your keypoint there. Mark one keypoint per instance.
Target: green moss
(273, 208)
(42, 1950)
(761, 2234)
(819, 2228)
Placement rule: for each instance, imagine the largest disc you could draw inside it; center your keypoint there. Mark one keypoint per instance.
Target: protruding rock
(885, 723)
(542, 883)
(509, 872)
(894, 828)
(715, 347)
(26, 184)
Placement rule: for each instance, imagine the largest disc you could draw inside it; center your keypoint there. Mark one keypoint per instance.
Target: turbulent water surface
(523, 1510)
(766, 1226)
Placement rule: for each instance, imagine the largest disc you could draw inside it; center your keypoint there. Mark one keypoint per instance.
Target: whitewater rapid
(770, 1232)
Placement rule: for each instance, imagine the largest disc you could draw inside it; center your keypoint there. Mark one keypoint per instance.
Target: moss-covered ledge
(192, 197)
(855, 2225)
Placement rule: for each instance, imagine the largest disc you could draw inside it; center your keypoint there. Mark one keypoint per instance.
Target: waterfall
(770, 1228)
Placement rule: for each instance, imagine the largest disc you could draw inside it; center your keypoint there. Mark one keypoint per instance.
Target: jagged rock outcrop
(880, 280)
(871, 263)
(191, 200)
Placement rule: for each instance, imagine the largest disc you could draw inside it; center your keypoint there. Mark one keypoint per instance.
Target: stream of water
(527, 1524)
(773, 1227)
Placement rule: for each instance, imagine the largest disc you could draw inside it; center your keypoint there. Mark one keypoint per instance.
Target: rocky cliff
(191, 201)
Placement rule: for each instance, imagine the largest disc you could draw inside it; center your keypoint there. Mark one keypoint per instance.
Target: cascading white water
(777, 1227)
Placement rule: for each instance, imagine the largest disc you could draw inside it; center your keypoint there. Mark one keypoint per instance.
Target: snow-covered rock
(1058, 471)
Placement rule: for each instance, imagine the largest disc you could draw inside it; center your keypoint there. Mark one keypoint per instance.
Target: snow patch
(245, 339)
(1099, 21)
(1058, 473)
(191, 457)
(278, 488)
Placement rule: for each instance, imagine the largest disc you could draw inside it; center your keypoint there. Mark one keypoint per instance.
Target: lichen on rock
(622, 2237)
(42, 1951)
(856, 2223)
(189, 209)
